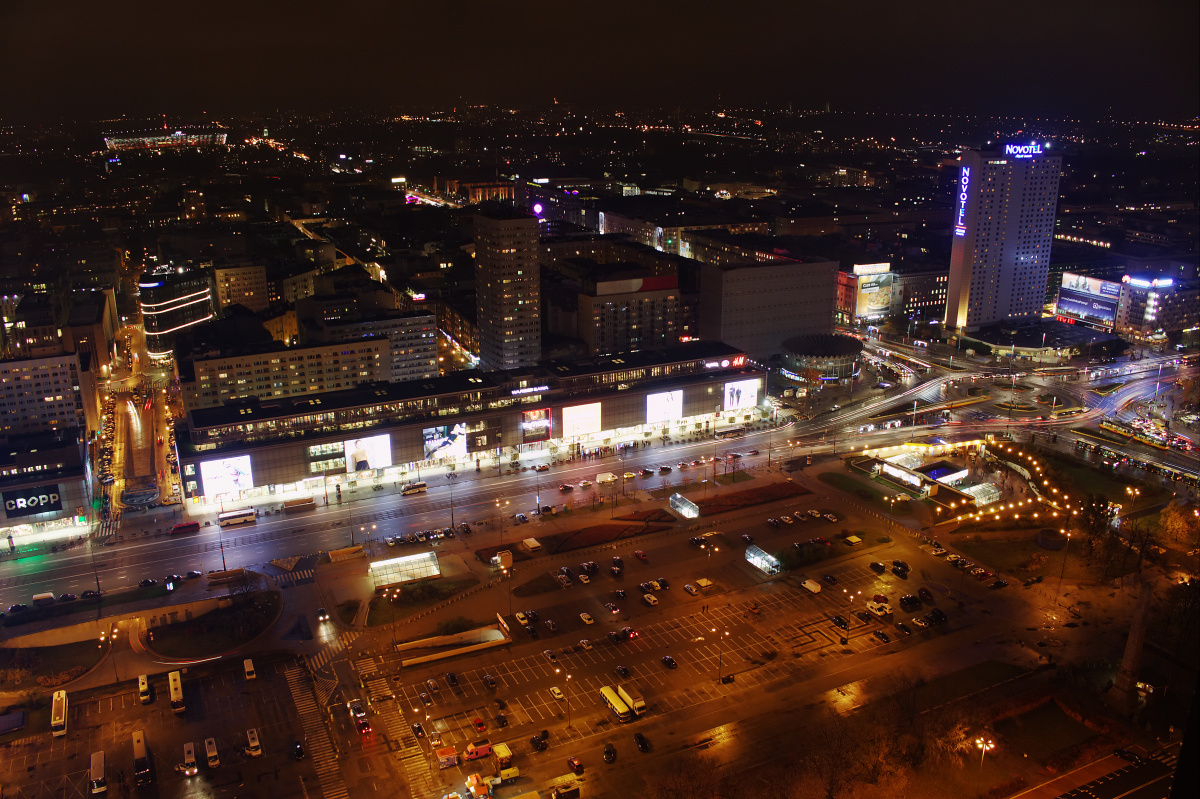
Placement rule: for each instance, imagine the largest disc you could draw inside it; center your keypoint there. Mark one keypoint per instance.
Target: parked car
(669, 662)
(643, 744)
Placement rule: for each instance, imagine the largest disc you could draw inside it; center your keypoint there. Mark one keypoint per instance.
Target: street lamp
(1066, 549)
(720, 649)
(984, 745)
(711, 548)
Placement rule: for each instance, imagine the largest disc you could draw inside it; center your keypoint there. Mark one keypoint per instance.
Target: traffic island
(746, 498)
(47, 667)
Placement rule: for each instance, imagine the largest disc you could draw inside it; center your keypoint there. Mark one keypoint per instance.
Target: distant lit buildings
(242, 284)
(1003, 215)
(507, 289)
(165, 139)
(173, 299)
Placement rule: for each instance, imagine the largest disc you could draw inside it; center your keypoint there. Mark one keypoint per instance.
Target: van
(144, 689)
(253, 748)
(188, 767)
(97, 782)
(248, 666)
(210, 752)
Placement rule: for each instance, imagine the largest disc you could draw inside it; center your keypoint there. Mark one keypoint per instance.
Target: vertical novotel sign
(1022, 150)
(960, 218)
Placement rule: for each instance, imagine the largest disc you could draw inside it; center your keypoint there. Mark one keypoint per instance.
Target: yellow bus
(616, 704)
(58, 714)
(176, 683)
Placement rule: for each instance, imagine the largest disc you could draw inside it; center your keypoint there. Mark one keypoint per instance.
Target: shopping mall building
(249, 453)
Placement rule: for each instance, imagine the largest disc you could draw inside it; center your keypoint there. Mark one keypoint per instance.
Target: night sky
(1061, 58)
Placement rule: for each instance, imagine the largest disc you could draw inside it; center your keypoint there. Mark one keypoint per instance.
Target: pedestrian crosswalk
(316, 736)
(335, 648)
(409, 753)
(299, 577)
(366, 666)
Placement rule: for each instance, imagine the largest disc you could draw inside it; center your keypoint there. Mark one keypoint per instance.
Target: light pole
(1066, 549)
(450, 480)
(984, 745)
(720, 649)
(708, 565)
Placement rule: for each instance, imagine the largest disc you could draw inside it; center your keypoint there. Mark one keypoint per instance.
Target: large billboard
(31, 501)
(1088, 299)
(374, 452)
(226, 475)
(579, 420)
(535, 425)
(445, 441)
(741, 394)
(874, 295)
(664, 407)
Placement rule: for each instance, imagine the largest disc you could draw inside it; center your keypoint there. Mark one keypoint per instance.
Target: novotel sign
(960, 218)
(31, 501)
(1022, 150)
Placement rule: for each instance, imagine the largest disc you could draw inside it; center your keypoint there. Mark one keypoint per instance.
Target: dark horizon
(1071, 60)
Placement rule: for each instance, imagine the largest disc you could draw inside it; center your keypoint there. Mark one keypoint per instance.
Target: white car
(952, 558)
(557, 694)
(585, 483)
(587, 619)
(691, 589)
(521, 619)
(585, 644)
(651, 599)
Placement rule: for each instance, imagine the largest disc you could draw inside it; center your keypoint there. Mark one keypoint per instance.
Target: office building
(1004, 206)
(173, 299)
(242, 284)
(43, 394)
(507, 289)
(412, 337)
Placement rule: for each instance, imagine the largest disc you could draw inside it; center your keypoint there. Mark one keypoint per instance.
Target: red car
(639, 554)
(479, 725)
(574, 764)
(881, 598)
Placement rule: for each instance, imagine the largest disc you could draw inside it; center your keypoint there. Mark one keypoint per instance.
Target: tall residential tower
(1004, 206)
(507, 289)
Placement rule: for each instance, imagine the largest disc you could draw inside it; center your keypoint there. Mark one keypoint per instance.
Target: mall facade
(251, 453)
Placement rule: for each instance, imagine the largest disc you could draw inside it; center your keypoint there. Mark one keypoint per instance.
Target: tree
(1094, 522)
(1180, 525)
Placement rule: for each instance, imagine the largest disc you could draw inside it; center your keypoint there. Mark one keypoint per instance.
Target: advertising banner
(445, 441)
(1091, 285)
(31, 501)
(579, 420)
(874, 295)
(1087, 307)
(226, 475)
(741, 394)
(374, 452)
(664, 407)
(535, 425)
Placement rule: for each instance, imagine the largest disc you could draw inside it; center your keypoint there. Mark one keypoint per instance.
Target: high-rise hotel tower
(1004, 205)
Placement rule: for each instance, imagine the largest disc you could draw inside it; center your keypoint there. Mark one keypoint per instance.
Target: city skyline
(84, 61)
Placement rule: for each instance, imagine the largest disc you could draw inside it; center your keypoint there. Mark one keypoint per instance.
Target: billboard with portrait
(664, 407)
(579, 420)
(446, 441)
(535, 425)
(369, 452)
(741, 394)
(226, 475)
(874, 295)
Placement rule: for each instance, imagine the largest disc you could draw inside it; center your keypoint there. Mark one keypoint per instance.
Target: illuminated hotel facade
(1004, 207)
(253, 453)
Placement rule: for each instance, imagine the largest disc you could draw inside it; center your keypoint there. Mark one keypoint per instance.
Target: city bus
(414, 488)
(185, 527)
(1062, 413)
(141, 759)
(732, 432)
(615, 704)
(176, 683)
(58, 714)
(297, 505)
(236, 517)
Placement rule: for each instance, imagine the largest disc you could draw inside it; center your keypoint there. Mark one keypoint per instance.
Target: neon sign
(1022, 150)
(960, 222)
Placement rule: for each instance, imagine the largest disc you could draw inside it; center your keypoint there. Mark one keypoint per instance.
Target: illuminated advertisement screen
(664, 407)
(535, 425)
(874, 295)
(741, 394)
(1091, 285)
(1087, 307)
(226, 475)
(445, 441)
(579, 420)
(362, 454)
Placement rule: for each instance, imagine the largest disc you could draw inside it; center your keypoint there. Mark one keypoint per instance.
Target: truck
(629, 695)
(811, 586)
(41, 600)
(477, 749)
(298, 505)
(531, 545)
(606, 477)
(501, 756)
(447, 757)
